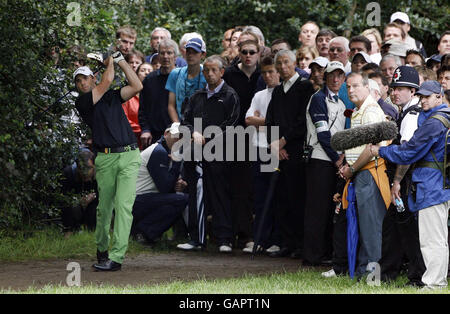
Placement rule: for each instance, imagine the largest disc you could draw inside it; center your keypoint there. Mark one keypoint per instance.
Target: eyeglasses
(248, 52)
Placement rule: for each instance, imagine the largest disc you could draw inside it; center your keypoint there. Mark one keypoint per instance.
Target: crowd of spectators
(329, 83)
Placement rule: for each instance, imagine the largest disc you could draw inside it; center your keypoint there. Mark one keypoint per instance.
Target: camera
(307, 152)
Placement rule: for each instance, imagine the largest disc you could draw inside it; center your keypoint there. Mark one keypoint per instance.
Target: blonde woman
(304, 56)
(374, 36)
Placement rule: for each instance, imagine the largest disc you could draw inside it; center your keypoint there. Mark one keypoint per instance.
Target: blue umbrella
(352, 230)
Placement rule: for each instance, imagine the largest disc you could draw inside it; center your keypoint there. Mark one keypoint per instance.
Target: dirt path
(151, 268)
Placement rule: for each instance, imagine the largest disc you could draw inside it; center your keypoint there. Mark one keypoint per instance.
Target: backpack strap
(403, 114)
(441, 166)
(443, 119)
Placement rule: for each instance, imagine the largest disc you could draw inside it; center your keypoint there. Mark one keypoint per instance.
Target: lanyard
(186, 81)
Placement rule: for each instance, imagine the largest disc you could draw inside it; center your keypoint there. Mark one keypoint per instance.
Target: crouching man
(159, 201)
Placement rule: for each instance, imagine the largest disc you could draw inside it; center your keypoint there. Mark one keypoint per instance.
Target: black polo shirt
(245, 87)
(107, 120)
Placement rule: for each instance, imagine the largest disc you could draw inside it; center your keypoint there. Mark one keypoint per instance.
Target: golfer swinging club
(118, 158)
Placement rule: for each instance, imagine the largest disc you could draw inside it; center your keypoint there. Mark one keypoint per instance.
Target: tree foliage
(35, 143)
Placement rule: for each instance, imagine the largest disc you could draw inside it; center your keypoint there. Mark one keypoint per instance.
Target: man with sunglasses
(243, 78)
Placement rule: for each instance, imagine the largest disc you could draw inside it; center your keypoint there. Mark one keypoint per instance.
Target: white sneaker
(250, 244)
(274, 248)
(188, 247)
(431, 288)
(329, 274)
(224, 248)
(249, 249)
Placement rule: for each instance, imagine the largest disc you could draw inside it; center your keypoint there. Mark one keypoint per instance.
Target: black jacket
(221, 109)
(153, 102)
(245, 87)
(288, 112)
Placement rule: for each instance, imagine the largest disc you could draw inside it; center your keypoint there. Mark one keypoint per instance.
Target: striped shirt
(370, 112)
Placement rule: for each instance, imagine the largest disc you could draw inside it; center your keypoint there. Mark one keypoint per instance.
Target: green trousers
(116, 176)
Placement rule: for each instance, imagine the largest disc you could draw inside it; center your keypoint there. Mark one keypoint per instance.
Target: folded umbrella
(352, 230)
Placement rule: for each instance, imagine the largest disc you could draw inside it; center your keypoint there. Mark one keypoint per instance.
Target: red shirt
(131, 109)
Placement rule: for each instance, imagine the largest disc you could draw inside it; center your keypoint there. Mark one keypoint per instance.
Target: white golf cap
(398, 48)
(373, 85)
(174, 128)
(334, 65)
(321, 61)
(400, 16)
(365, 56)
(82, 70)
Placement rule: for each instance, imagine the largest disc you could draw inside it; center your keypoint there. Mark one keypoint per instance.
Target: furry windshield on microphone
(365, 134)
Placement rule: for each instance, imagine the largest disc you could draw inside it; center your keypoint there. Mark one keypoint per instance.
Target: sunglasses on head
(246, 52)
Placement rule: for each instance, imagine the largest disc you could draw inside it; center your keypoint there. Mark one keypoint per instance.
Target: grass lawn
(50, 244)
(301, 282)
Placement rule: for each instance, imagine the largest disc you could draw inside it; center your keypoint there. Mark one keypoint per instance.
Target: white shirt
(348, 67)
(376, 58)
(409, 122)
(260, 102)
(331, 93)
(336, 123)
(288, 84)
(411, 42)
(210, 93)
(144, 182)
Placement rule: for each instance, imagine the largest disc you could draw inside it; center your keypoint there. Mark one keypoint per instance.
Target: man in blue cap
(184, 82)
(429, 195)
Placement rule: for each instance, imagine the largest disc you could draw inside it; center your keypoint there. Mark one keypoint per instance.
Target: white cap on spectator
(174, 128)
(82, 70)
(400, 16)
(334, 65)
(373, 85)
(398, 48)
(321, 61)
(364, 55)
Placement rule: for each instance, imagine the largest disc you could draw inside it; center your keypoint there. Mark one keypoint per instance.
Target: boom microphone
(364, 134)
